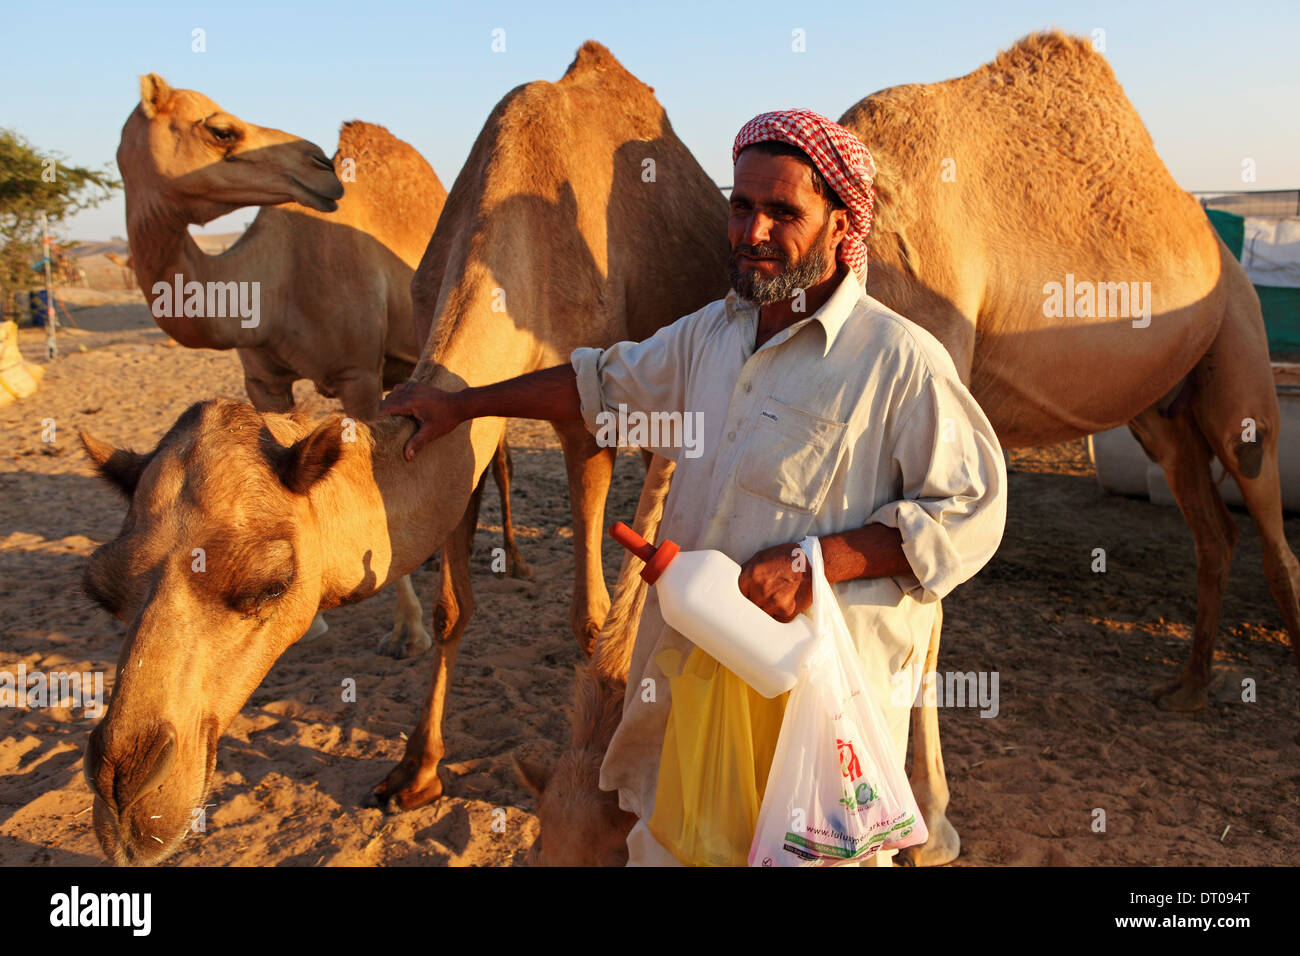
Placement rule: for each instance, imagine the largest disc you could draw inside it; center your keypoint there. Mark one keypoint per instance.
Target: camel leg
(1179, 447)
(454, 594)
(1263, 496)
(502, 468)
(408, 638)
(414, 781)
(270, 388)
(1236, 409)
(929, 781)
(590, 468)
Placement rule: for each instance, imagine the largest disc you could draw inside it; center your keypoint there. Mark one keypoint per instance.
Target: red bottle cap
(656, 558)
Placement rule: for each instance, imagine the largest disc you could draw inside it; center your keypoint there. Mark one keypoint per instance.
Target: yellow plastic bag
(713, 768)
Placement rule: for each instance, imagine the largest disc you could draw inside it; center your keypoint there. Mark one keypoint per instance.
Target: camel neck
(163, 249)
(381, 516)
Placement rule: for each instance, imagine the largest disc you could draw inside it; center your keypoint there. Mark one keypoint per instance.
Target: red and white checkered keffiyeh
(842, 158)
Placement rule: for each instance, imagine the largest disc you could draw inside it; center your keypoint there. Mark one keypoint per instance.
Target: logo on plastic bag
(848, 759)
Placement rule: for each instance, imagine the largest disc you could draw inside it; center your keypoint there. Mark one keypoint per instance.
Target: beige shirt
(850, 416)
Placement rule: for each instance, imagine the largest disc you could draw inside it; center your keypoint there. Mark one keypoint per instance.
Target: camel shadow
(15, 851)
(87, 506)
(1150, 560)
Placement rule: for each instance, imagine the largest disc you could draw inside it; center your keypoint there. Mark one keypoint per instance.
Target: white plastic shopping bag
(836, 793)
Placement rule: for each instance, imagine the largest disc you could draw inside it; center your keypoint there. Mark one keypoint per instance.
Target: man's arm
(649, 375)
(550, 394)
(778, 580)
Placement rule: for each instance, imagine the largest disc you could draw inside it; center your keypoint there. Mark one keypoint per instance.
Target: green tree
(32, 183)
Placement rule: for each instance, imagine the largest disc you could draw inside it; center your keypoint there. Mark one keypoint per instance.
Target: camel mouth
(123, 839)
(315, 199)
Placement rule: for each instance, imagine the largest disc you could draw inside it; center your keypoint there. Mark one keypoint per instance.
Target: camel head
(581, 825)
(216, 572)
(181, 149)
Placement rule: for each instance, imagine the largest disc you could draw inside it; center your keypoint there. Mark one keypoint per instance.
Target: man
(823, 412)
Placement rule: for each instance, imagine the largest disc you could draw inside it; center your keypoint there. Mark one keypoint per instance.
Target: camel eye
(223, 135)
(255, 599)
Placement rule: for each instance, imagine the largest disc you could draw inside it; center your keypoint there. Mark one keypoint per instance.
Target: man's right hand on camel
(438, 412)
(550, 394)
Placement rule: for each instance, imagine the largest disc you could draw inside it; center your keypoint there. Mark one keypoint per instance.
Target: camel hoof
(318, 627)
(587, 642)
(397, 793)
(407, 639)
(1182, 695)
(517, 567)
(944, 846)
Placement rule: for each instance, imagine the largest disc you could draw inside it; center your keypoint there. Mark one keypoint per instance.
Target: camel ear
(310, 458)
(532, 774)
(117, 466)
(154, 93)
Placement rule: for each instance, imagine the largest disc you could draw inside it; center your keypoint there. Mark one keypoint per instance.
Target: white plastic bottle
(700, 597)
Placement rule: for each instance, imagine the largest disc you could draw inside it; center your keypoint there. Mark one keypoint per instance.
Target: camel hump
(358, 136)
(592, 56)
(390, 172)
(1050, 53)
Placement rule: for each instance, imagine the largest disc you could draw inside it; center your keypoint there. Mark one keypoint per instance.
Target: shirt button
(731, 436)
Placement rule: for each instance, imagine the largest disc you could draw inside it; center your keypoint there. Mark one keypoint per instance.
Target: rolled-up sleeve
(647, 376)
(953, 510)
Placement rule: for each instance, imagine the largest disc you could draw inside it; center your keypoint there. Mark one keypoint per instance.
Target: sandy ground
(1075, 651)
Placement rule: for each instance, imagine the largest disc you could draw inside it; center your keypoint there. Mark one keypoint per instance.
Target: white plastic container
(700, 597)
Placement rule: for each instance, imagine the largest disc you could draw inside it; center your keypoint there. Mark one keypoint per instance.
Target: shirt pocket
(790, 456)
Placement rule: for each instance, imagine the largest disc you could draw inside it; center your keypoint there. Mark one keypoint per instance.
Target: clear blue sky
(1215, 82)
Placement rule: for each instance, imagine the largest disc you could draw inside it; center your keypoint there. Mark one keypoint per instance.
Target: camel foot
(943, 846)
(517, 567)
(405, 789)
(1183, 695)
(590, 631)
(318, 627)
(407, 639)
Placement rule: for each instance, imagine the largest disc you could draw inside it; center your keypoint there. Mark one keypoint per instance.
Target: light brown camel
(1058, 178)
(332, 279)
(634, 236)
(578, 219)
(990, 187)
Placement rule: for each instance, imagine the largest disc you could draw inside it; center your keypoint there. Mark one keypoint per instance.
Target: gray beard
(759, 290)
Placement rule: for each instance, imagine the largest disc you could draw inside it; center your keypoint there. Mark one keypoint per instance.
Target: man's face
(783, 236)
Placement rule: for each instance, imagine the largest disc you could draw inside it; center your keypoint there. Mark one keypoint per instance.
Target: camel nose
(121, 771)
(321, 161)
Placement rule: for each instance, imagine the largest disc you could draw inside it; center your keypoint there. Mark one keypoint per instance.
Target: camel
(1060, 172)
(640, 240)
(1055, 175)
(332, 263)
(294, 517)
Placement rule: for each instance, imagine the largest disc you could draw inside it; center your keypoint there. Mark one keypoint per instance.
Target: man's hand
(434, 409)
(778, 580)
